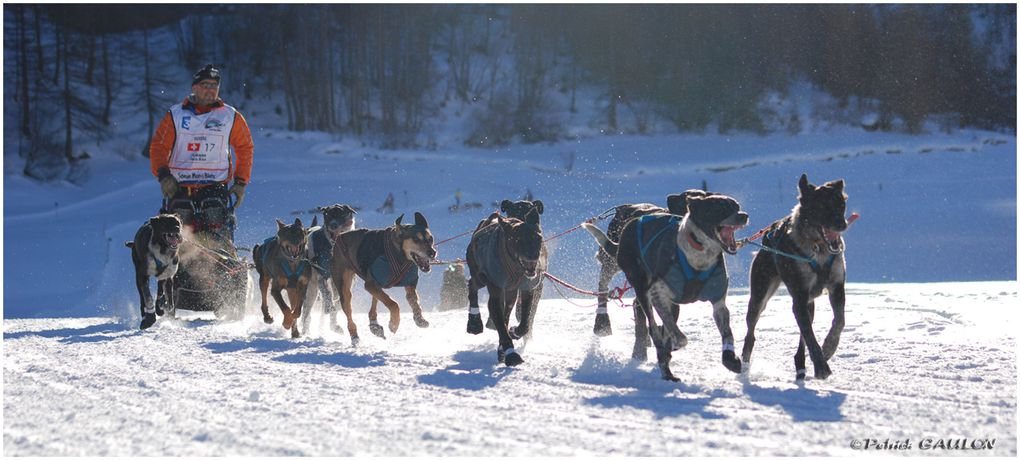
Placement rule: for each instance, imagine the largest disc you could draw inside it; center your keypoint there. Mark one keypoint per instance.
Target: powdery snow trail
(917, 361)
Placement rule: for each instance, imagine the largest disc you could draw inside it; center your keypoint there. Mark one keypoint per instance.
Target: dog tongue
(831, 236)
(726, 233)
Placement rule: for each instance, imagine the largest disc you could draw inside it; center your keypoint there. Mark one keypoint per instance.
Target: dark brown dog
(675, 204)
(671, 261)
(811, 238)
(509, 258)
(518, 209)
(154, 253)
(384, 258)
(282, 263)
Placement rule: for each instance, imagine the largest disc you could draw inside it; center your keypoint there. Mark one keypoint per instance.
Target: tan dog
(384, 258)
(282, 263)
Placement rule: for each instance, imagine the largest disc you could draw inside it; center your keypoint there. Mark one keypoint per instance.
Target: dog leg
(641, 339)
(373, 319)
(308, 303)
(412, 299)
(764, 282)
(343, 287)
(474, 324)
(603, 327)
(803, 311)
(721, 315)
(171, 302)
(288, 321)
(837, 298)
(663, 352)
(328, 304)
(497, 304)
(798, 360)
(391, 305)
(160, 296)
(148, 311)
(296, 296)
(528, 306)
(264, 289)
(662, 300)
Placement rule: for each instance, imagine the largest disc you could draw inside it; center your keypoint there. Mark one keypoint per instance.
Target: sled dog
(154, 253)
(282, 264)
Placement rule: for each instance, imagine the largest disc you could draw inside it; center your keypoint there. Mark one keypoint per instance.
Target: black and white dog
(336, 219)
(154, 253)
(672, 260)
(812, 247)
(675, 204)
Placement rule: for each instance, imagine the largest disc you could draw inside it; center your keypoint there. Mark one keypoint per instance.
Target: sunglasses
(209, 85)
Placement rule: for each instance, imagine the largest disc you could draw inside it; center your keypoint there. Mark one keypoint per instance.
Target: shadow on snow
(474, 370)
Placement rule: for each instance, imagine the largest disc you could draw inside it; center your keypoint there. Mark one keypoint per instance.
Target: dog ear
(504, 206)
(531, 218)
(280, 224)
(315, 220)
(396, 223)
(804, 186)
(677, 204)
(297, 221)
(838, 185)
(348, 208)
(538, 206)
(420, 221)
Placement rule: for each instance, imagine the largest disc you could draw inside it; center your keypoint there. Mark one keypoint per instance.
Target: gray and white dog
(154, 253)
(336, 219)
(672, 260)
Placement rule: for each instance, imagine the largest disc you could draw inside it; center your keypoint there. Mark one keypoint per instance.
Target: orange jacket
(240, 139)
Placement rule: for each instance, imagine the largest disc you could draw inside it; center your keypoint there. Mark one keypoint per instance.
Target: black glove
(238, 191)
(167, 183)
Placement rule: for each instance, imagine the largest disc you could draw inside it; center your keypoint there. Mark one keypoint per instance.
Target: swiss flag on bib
(193, 147)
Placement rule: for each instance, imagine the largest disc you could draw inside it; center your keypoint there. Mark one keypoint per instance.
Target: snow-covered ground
(917, 362)
(931, 359)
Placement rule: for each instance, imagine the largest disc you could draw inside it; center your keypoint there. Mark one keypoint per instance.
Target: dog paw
(514, 334)
(490, 325)
(420, 322)
(377, 330)
(355, 341)
(513, 359)
(336, 328)
(267, 319)
(148, 320)
(730, 360)
(474, 325)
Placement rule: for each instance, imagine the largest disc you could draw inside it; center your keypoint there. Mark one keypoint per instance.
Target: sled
(211, 276)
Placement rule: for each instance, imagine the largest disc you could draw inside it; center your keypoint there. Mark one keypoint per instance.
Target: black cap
(206, 73)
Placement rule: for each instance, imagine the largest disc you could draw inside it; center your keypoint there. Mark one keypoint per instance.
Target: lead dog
(813, 234)
(675, 204)
(154, 253)
(509, 258)
(384, 258)
(672, 260)
(282, 263)
(336, 219)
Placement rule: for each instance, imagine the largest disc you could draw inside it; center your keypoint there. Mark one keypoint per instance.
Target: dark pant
(204, 208)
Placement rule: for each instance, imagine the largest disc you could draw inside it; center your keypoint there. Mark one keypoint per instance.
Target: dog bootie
(474, 325)
(148, 320)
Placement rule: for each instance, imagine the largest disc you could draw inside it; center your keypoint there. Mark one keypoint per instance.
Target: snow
(917, 361)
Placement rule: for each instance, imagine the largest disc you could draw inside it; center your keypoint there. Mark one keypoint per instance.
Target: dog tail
(256, 255)
(129, 244)
(607, 244)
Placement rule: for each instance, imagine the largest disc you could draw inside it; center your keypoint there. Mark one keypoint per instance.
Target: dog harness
(774, 238)
(688, 285)
(292, 276)
(387, 272)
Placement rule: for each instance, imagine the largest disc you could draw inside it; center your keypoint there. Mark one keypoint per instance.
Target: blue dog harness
(388, 273)
(688, 285)
(292, 276)
(775, 237)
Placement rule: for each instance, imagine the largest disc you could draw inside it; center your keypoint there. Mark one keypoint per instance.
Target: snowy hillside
(918, 363)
